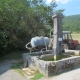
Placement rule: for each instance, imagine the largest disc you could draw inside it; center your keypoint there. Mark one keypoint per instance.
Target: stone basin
(49, 68)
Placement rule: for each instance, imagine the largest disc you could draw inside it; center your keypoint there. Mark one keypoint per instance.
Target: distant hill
(72, 23)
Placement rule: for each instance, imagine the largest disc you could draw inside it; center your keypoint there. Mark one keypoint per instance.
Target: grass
(13, 55)
(18, 55)
(37, 76)
(76, 36)
(17, 67)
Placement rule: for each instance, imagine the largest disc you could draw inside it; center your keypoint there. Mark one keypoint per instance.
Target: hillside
(72, 23)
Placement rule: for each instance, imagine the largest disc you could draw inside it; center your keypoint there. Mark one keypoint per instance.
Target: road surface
(6, 73)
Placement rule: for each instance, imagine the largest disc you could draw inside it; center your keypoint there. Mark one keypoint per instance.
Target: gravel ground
(6, 73)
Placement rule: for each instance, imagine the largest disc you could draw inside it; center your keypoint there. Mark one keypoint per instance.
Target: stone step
(28, 71)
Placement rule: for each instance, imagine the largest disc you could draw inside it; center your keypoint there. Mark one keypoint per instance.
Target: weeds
(37, 76)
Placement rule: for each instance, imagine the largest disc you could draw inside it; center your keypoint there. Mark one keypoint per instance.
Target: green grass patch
(13, 55)
(17, 67)
(37, 76)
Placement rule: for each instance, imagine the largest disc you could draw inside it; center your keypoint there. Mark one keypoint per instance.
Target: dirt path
(6, 73)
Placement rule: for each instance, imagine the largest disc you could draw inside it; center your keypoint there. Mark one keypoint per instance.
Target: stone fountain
(35, 61)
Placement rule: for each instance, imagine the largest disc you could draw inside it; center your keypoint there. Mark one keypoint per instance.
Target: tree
(20, 20)
(71, 23)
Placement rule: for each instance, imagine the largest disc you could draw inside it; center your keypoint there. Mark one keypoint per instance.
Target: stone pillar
(57, 20)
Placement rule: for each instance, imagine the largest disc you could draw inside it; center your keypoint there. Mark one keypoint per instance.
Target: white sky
(61, 1)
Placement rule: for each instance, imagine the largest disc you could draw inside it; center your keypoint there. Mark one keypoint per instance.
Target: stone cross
(57, 47)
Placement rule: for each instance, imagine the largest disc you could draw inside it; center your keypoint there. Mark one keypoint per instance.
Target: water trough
(49, 68)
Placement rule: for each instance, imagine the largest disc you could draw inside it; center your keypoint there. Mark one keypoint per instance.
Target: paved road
(6, 73)
(70, 75)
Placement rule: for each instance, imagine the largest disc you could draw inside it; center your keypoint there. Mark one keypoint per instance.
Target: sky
(72, 7)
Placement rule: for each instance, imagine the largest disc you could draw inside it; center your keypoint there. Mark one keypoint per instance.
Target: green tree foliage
(72, 23)
(11, 12)
(22, 19)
